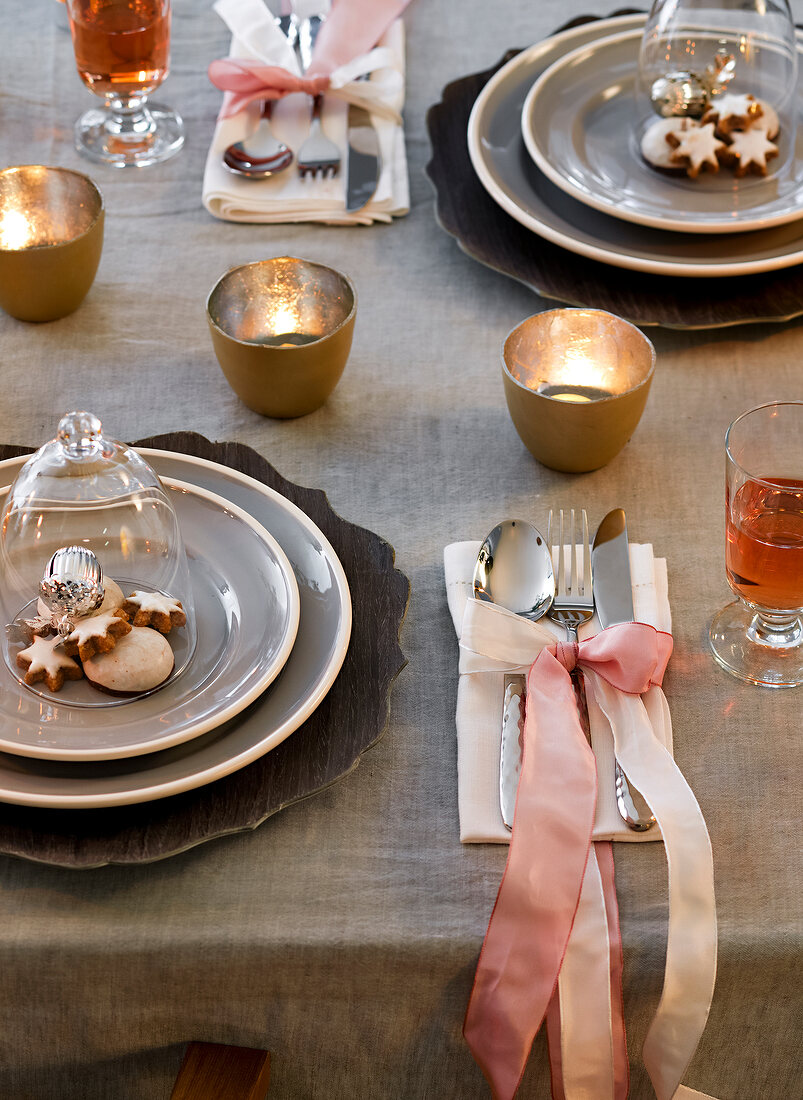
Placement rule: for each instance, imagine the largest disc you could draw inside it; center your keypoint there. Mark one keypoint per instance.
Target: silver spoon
(261, 154)
(514, 570)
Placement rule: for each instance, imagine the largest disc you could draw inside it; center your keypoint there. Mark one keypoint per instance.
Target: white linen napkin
(287, 197)
(479, 707)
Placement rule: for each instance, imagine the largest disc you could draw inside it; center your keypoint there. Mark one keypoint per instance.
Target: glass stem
(776, 629)
(129, 119)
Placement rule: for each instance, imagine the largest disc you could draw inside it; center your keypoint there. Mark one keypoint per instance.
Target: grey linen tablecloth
(343, 934)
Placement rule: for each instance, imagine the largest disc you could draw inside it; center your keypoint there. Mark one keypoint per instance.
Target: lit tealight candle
(578, 395)
(576, 381)
(51, 235)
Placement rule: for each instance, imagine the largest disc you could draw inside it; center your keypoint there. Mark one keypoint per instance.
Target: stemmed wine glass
(122, 51)
(759, 638)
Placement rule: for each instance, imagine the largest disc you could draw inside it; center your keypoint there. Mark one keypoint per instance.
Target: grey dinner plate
(581, 125)
(508, 175)
(246, 614)
(314, 662)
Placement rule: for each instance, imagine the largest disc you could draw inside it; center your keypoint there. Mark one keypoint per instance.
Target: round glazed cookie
(657, 150)
(141, 660)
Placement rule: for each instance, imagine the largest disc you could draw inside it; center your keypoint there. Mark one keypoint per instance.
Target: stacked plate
(579, 181)
(274, 620)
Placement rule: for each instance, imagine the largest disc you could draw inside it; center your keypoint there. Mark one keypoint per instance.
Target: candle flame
(285, 319)
(15, 230)
(580, 370)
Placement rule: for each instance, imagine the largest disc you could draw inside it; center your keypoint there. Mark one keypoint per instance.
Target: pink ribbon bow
(352, 28)
(246, 81)
(535, 908)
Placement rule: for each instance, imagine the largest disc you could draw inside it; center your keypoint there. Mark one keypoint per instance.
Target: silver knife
(510, 757)
(613, 599)
(364, 160)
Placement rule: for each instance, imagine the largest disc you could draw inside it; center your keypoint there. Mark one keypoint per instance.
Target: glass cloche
(729, 68)
(94, 581)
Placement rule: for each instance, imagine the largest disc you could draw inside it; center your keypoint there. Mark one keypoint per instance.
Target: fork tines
(576, 586)
(327, 169)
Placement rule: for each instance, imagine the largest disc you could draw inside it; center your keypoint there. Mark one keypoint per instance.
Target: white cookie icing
(155, 602)
(141, 660)
(45, 657)
(730, 106)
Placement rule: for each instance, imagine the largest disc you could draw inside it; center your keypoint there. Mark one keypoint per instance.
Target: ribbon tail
(621, 1066)
(585, 996)
(554, 1047)
(691, 952)
(529, 928)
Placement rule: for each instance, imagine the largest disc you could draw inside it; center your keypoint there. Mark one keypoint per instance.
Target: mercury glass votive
(576, 383)
(51, 236)
(281, 330)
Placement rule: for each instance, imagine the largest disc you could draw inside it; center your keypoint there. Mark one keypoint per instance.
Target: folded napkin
(287, 197)
(479, 707)
(553, 950)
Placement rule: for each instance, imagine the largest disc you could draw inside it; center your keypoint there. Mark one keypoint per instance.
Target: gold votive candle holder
(282, 330)
(51, 237)
(576, 383)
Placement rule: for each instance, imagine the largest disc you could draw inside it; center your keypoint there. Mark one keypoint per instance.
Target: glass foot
(758, 648)
(129, 139)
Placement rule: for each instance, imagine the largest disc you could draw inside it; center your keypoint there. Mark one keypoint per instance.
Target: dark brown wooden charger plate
(324, 749)
(487, 233)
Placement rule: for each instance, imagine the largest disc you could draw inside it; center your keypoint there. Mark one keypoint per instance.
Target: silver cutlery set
(262, 155)
(516, 570)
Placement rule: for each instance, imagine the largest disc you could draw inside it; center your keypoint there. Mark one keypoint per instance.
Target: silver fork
(574, 596)
(318, 156)
(574, 605)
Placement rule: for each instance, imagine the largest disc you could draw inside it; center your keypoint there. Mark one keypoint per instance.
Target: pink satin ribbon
(351, 29)
(535, 908)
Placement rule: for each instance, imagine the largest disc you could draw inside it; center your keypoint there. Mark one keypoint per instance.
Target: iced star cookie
(154, 609)
(734, 112)
(749, 151)
(696, 149)
(140, 661)
(42, 660)
(96, 634)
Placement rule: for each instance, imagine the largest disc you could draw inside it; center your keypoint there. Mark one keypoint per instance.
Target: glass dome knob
(79, 433)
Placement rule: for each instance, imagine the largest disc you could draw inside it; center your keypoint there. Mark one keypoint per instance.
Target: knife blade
(364, 160)
(613, 599)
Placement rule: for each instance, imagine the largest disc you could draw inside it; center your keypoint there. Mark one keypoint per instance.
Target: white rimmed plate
(311, 669)
(580, 126)
(247, 610)
(508, 174)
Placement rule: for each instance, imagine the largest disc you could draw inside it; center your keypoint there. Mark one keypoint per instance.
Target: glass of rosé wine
(122, 51)
(759, 638)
